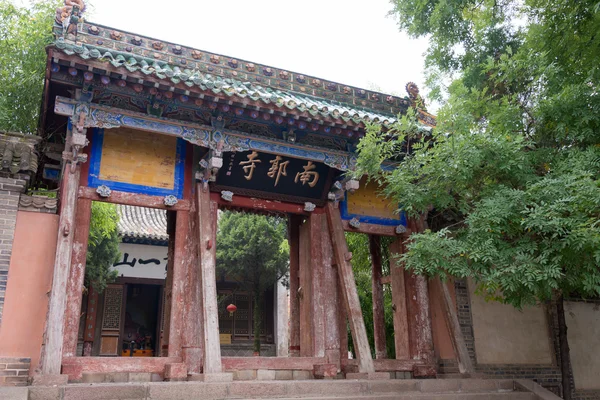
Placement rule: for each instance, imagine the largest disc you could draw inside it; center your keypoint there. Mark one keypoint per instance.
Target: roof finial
(416, 101)
(69, 17)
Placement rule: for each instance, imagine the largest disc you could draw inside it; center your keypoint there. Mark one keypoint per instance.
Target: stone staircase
(436, 389)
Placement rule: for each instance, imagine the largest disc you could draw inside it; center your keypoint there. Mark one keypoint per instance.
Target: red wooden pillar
(180, 262)
(76, 276)
(331, 299)
(207, 219)
(305, 292)
(52, 351)
(377, 294)
(401, 337)
(193, 334)
(348, 289)
(419, 317)
(90, 322)
(294, 223)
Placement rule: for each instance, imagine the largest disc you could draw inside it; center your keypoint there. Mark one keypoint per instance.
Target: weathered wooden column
(294, 222)
(193, 330)
(90, 322)
(53, 345)
(419, 316)
(168, 288)
(76, 276)
(180, 261)
(401, 337)
(377, 295)
(207, 223)
(331, 300)
(349, 292)
(305, 292)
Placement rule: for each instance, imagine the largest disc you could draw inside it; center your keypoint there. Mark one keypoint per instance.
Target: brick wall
(14, 371)
(10, 190)
(548, 376)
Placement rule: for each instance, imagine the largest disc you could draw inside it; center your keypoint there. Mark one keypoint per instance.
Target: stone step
(447, 389)
(423, 396)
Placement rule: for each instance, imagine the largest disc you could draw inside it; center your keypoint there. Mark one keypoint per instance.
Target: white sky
(351, 42)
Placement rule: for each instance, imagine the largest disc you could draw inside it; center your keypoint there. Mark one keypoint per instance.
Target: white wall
(141, 254)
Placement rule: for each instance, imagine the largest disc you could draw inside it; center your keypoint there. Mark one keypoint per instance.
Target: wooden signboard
(135, 161)
(369, 206)
(270, 176)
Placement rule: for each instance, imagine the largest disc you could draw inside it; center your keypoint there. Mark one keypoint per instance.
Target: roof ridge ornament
(69, 16)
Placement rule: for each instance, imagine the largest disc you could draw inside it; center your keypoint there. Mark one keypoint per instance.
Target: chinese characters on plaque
(278, 168)
(281, 177)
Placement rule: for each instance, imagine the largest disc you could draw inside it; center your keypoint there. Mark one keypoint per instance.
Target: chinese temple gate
(158, 125)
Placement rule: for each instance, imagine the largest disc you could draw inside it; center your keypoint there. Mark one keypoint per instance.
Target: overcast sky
(351, 42)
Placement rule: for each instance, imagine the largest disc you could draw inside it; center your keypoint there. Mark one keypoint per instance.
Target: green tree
(24, 34)
(253, 250)
(103, 246)
(508, 180)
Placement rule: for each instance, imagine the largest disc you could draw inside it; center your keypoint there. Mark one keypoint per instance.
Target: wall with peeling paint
(583, 322)
(505, 335)
(29, 281)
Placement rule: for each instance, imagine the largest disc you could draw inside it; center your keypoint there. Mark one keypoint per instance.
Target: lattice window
(113, 303)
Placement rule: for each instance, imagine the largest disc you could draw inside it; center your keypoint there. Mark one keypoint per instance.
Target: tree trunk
(565, 352)
(257, 320)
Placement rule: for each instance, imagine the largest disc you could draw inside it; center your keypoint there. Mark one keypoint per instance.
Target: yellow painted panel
(138, 158)
(368, 201)
(224, 338)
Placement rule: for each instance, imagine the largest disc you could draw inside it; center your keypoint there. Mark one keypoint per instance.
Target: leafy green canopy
(252, 249)
(509, 177)
(103, 246)
(24, 34)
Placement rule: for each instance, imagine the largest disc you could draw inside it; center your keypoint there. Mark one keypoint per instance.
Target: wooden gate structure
(154, 124)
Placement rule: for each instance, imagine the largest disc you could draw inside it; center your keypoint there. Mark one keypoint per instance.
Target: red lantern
(231, 308)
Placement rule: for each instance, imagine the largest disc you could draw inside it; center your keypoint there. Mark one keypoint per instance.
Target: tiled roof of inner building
(228, 77)
(142, 223)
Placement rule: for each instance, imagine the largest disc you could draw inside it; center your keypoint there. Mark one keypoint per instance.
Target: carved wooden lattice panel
(113, 303)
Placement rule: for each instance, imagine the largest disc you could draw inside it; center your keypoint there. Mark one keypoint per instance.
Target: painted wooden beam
(465, 365)
(371, 229)
(76, 276)
(349, 292)
(401, 337)
(52, 351)
(294, 223)
(252, 203)
(133, 199)
(377, 295)
(207, 215)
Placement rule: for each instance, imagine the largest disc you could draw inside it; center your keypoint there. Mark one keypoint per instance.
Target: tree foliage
(24, 34)
(509, 177)
(103, 246)
(253, 250)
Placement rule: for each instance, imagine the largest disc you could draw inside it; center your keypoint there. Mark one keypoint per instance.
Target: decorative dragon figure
(416, 100)
(69, 16)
